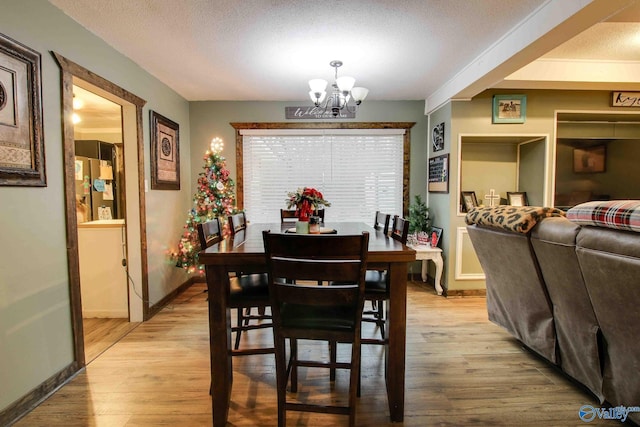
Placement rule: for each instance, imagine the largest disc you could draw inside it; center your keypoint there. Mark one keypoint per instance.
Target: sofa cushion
(518, 219)
(618, 214)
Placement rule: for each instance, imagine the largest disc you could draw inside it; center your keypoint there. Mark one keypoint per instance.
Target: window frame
(348, 125)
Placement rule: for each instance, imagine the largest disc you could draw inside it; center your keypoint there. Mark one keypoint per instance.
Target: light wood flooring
(462, 370)
(102, 333)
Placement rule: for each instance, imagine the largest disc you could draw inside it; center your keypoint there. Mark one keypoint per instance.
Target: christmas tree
(215, 197)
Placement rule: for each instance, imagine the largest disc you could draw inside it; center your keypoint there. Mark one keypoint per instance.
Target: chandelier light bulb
(359, 94)
(345, 83)
(318, 85)
(316, 97)
(216, 145)
(75, 118)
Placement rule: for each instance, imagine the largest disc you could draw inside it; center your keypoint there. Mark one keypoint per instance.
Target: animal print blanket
(518, 219)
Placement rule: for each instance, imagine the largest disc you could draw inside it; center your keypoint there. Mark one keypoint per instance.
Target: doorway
(100, 212)
(129, 202)
(596, 157)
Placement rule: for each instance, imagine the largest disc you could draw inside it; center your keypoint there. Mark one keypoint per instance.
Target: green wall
(35, 324)
(211, 118)
(474, 118)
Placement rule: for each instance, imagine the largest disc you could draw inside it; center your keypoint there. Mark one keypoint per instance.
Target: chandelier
(342, 92)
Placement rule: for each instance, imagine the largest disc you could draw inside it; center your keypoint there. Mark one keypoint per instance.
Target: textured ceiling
(269, 49)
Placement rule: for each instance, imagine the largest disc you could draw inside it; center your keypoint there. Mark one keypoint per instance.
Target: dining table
(244, 252)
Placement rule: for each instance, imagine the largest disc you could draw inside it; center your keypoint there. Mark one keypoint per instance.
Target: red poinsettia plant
(305, 200)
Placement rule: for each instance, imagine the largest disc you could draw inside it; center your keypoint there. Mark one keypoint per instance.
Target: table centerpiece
(306, 201)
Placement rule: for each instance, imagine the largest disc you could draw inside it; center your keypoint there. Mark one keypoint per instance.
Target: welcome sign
(306, 113)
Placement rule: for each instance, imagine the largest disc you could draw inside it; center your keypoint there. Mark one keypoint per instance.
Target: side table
(425, 253)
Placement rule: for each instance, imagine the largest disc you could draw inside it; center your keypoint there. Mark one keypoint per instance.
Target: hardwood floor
(462, 370)
(102, 333)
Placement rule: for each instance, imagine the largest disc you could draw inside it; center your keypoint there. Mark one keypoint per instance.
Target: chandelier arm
(355, 108)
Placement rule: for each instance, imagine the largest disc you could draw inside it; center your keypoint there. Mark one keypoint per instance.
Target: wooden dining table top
(247, 245)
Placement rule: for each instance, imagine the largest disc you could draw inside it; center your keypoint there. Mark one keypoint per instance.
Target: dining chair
(304, 311)
(237, 222)
(381, 222)
(377, 285)
(245, 291)
(289, 215)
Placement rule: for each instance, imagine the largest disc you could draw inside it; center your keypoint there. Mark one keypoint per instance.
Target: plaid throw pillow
(618, 214)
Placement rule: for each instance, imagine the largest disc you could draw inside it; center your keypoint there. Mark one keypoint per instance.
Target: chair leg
(293, 364)
(359, 390)
(246, 312)
(354, 382)
(240, 318)
(380, 317)
(281, 379)
(333, 357)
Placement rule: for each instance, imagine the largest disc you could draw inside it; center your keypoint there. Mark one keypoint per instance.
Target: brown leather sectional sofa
(570, 293)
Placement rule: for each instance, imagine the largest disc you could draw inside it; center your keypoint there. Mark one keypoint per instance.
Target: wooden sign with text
(306, 113)
(625, 99)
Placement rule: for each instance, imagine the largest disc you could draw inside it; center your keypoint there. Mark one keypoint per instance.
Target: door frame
(137, 224)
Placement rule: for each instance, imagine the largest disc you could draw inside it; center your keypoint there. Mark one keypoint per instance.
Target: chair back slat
(381, 222)
(288, 215)
(293, 258)
(209, 233)
(237, 222)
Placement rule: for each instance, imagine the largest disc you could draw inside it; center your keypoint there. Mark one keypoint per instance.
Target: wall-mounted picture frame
(22, 161)
(515, 198)
(437, 137)
(468, 200)
(438, 174)
(165, 153)
(438, 232)
(509, 108)
(590, 159)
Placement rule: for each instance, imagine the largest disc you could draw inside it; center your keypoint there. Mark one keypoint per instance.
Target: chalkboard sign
(439, 174)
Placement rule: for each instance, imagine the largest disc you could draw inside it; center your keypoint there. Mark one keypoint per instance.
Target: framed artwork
(517, 198)
(21, 136)
(509, 108)
(439, 174)
(437, 137)
(165, 153)
(469, 200)
(438, 232)
(590, 159)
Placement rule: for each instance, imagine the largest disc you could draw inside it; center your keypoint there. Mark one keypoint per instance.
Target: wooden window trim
(349, 125)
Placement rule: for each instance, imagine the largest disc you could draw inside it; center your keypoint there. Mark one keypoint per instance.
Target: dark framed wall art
(439, 174)
(165, 153)
(437, 137)
(22, 160)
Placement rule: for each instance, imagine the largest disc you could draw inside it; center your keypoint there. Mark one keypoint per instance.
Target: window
(358, 171)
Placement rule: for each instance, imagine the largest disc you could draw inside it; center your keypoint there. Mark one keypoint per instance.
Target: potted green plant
(419, 220)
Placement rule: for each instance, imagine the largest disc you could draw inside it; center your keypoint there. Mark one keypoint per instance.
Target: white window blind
(357, 173)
